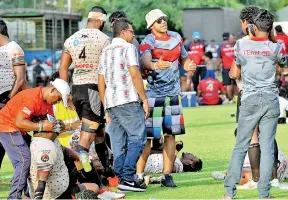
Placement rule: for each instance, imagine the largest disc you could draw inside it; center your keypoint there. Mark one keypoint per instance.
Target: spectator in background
(37, 74)
(281, 38)
(195, 52)
(213, 48)
(226, 57)
(232, 38)
(209, 89)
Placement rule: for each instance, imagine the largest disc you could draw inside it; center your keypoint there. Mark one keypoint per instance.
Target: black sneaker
(134, 186)
(167, 181)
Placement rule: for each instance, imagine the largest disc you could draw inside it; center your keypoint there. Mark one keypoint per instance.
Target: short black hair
(264, 20)
(120, 25)
(248, 12)
(278, 29)
(54, 76)
(3, 28)
(98, 9)
(208, 54)
(282, 93)
(116, 15)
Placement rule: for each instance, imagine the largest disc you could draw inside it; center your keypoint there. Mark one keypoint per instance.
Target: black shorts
(87, 101)
(226, 78)
(4, 96)
(238, 105)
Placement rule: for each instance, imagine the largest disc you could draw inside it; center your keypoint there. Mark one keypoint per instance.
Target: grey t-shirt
(258, 59)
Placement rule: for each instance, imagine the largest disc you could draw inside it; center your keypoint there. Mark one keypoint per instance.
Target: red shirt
(209, 88)
(282, 39)
(226, 53)
(196, 51)
(29, 102)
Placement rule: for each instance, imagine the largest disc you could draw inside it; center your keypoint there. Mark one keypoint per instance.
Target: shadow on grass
(4, 191)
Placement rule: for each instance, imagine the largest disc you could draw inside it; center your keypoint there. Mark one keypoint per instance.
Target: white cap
(63, 87)
(152, 17)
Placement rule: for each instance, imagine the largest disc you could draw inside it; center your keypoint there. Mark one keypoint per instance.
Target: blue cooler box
(189, 99)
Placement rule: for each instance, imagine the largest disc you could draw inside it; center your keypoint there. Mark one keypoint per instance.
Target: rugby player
(163, 89)
(12, 71)
(83, 49)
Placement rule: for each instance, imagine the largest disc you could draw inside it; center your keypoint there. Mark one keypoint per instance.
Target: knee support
(89, 127)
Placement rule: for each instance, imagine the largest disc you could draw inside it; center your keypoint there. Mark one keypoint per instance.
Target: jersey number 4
(210, 87)
(82, 54)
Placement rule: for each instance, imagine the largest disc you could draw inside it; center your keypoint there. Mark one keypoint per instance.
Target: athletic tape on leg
(90, 128)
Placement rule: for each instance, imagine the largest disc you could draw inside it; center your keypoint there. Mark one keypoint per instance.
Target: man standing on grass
(226, 57)
(83, 49)
(12, 71)
(259, 103)
(120, 83)
(160, 52)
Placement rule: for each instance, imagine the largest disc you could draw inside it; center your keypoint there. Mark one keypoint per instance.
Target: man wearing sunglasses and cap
(15, 118)
(83, 49)
(160, 52)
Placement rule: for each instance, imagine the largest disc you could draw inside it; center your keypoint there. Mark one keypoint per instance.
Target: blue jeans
(128, 138)
(263, 109)
(19, 155)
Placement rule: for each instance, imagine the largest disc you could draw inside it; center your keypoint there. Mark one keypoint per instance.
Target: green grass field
(209, 135)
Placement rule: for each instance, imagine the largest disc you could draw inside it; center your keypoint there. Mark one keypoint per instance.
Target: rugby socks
(81, 148)
(102, 152)
(275, 164)
(254, 158)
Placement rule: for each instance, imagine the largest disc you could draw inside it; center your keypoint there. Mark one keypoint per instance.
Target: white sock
(140, 175)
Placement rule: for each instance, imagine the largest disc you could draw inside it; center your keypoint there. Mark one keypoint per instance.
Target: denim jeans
(19, 155)
(263, 109)
(128, 138)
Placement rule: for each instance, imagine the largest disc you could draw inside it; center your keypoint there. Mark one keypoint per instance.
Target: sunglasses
(159, 21)
(130, 31)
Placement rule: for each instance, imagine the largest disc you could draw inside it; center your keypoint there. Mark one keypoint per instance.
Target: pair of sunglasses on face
(159, 21)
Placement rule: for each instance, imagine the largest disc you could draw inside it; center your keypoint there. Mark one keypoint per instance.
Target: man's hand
(161, 64)
(146, 108)
(47, 125)
(70, 103)
(71, 153)
(190, 66)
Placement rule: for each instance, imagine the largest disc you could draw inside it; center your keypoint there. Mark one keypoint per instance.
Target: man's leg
(248, 119)
(2, 154)
(254, 156)
(267, 127)
(195, 79)
(227, 82)
(19, 155)
(173, 124)
(169, 154)
(132, 119)
(118, 143)
(143, 160)
(275, 163)
(203, 71)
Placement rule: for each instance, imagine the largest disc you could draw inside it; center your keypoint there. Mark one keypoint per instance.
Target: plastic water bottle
(85, 161)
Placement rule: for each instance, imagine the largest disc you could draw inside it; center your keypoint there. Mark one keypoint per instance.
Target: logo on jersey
(27, 111)
(84, 36)
(76, 43)
(45, 157)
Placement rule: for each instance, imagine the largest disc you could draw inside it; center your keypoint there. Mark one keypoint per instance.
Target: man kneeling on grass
(49, 173)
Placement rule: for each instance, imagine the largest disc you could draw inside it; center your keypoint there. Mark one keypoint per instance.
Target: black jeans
(200, 71)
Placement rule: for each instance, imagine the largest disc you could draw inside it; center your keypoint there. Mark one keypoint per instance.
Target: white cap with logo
(63, 87)
(152, 17)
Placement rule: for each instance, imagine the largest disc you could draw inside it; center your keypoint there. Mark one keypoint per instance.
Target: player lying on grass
(49, 174)
(187, 163)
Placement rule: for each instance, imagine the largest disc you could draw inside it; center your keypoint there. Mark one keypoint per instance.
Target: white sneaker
(275, 183)
(249, 185)
(110, 195)
(218, 175)
(226, 101)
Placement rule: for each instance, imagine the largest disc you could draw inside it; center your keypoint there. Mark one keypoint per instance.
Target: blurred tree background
(136, 9)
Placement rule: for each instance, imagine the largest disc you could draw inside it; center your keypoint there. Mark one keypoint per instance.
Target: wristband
(39, 192)
(41, 129)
